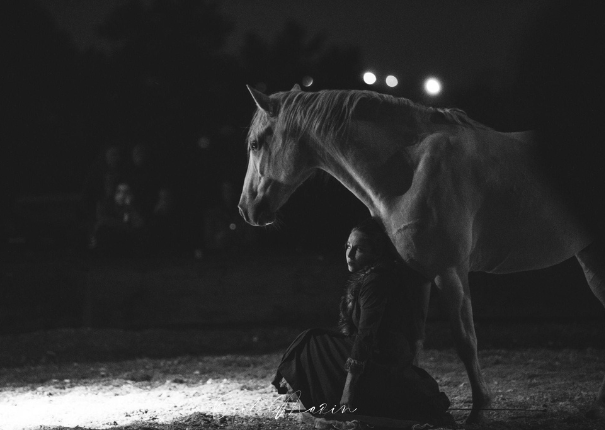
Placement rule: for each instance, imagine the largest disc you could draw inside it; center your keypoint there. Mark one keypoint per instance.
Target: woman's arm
(372, 303)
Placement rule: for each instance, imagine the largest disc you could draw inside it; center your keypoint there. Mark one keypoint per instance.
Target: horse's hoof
(477, 416)
(596, 412)
(445, 421)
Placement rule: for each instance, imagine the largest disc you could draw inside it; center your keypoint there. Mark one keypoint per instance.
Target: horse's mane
(328, 113)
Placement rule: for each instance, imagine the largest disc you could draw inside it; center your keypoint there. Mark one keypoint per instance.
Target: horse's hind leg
(592, 260)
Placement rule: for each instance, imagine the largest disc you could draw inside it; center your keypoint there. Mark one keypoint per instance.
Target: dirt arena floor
(546, 374)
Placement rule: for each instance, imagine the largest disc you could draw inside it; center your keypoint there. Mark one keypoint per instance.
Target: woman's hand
(348, 393)
(347, 400)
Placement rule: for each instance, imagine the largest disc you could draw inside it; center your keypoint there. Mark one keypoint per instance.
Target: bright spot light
(232, 226)
(369, 78)
(307, 81)
(432, 86)
(392, 81)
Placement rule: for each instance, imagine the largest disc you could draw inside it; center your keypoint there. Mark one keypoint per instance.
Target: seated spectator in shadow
(225, 231)
(144, 180)
(119, 229)
(154, 201)
(100, 185)
(164, 223)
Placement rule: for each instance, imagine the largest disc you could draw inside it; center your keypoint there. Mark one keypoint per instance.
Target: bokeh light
(432, 86)
(392, 81)
(203, 142)
(369, 78)
(307, 81)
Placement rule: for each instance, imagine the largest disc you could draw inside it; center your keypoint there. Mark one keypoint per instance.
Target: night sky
(457, 41)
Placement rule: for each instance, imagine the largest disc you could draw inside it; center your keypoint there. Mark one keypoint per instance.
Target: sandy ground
(551, 388)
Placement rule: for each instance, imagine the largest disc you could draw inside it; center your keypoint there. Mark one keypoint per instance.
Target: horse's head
(278, 161)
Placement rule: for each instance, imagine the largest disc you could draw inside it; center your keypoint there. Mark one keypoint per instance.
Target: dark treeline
(166, 82)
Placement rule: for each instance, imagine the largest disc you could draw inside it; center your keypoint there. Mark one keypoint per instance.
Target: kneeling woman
(367, 366)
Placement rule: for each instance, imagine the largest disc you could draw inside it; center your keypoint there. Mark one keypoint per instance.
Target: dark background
(83, 75)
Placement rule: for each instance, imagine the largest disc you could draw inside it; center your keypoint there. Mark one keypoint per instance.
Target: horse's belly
(538, 233)
(523, 256)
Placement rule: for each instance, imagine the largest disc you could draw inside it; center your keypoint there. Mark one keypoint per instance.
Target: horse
(453, 195)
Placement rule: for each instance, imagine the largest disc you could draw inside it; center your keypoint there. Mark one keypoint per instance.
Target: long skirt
(313, 366)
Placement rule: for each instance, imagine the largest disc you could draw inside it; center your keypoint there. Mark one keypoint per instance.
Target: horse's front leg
(454, 291)
(421, 295)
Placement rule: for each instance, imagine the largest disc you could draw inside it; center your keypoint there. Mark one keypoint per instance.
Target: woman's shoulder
(382, 274)
(386, 268)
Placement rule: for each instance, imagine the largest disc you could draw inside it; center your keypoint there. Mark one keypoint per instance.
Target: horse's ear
(262, 101)
(296, 87)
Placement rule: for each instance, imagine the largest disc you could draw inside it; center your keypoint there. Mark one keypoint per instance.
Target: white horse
(453, 195)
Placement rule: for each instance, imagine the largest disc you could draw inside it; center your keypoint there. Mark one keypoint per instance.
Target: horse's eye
(254, 145)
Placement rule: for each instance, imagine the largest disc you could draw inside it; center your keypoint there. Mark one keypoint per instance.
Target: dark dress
(376, 328)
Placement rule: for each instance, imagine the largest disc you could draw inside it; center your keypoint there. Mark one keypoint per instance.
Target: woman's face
(359, 251)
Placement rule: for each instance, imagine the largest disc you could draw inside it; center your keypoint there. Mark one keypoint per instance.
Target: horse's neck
(373, 164)
(523, 136)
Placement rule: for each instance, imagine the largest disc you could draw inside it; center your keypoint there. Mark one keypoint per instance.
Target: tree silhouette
(169, 70)
(39, 63)
(293, 54)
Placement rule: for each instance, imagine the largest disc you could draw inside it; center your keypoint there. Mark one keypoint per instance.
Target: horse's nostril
(266, 218)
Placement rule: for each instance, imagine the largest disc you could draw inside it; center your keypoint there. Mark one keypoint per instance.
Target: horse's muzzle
(256, 215)
(261, 199)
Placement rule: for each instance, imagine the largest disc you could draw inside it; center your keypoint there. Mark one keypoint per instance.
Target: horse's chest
(428, 239)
